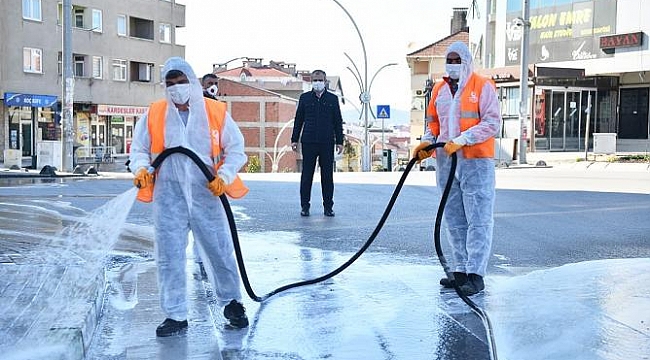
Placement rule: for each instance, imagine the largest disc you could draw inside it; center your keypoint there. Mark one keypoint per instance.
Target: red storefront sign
(621, 40)
(118, 110)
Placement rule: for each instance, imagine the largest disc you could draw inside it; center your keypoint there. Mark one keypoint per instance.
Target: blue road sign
(383, 111)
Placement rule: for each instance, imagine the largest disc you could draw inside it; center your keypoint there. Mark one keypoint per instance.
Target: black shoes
(459, 277)
(236, 314)
(171, 327)
(469, 284)
(474, 285)
(327, 212)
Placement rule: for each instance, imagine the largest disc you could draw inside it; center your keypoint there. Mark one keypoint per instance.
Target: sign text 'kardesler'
(621, 40)
(119, 110)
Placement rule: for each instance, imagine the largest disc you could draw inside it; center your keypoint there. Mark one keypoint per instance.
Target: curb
(73, 334)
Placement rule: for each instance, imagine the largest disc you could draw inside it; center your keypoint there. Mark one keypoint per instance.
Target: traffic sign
(383, 111)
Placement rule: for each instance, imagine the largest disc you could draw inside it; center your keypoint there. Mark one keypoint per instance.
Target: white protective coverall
(468, 214)
(183, 202)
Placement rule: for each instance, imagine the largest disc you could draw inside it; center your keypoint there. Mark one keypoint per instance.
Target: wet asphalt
(388, 304)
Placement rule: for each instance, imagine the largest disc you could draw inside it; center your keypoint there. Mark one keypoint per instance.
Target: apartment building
(118, 47)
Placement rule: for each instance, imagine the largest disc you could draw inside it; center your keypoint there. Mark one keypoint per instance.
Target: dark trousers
(325, 155)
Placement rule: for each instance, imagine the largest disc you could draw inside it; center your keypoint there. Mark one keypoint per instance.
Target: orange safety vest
(216, 111)
(469, 115)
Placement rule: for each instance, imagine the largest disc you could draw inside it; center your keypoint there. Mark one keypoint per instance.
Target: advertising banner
(560, 30)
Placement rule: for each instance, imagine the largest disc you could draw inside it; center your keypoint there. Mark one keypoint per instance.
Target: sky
(317, 34)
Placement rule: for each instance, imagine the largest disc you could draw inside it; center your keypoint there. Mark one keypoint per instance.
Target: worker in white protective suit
(183, 200)
(464, 113)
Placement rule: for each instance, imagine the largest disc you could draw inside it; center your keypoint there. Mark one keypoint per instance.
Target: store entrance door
(560, 119)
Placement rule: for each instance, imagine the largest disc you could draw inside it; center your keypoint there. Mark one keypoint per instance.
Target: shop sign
(31, 100)
(118, 110)
(621, 40)
(567, 30)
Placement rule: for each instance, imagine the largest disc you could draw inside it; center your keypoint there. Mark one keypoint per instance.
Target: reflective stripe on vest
(469, 115)
(216, 112)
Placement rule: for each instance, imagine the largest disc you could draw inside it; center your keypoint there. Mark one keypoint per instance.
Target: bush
(254, 165)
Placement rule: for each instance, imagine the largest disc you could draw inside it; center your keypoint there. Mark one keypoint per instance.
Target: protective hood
(467, 66)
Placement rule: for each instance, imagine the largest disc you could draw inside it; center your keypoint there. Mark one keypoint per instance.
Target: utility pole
(523, 82)
(67, 92)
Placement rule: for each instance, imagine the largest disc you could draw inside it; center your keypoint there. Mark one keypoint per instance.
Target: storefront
(568, 108)
(113, 126)
(31, 119)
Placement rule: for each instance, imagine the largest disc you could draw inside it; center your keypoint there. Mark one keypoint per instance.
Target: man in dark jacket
(319, 126)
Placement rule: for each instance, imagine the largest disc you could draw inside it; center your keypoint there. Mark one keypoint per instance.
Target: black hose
(436, 234)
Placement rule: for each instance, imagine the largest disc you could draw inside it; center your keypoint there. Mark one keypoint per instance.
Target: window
(98, 67)
(78, 20)
(141, 71)
(32, 10)
(79, 62)
(119, 70)
(141, 28)
(33, 60)
(510, 101)
(97, 21)
(121, 25)
(165, 33)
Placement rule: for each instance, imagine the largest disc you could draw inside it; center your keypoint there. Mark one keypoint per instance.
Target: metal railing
(95, 155)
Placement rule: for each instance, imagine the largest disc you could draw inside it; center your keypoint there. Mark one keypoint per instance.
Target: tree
(254, 165)
(349, 154)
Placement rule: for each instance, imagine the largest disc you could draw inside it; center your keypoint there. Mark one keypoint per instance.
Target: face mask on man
(212, 90)
(318, 86)
(453, 70)
(179, 93)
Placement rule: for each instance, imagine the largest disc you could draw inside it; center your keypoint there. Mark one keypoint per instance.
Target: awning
(554, 72)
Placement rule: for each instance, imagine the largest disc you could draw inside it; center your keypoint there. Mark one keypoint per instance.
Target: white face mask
(180, 93)
(453, 70)
(212, 90)
(318, 86)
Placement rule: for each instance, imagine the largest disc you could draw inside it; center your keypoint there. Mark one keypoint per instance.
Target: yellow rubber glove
(143, 179)
(451, 147)
(217, 186)
(420, 153)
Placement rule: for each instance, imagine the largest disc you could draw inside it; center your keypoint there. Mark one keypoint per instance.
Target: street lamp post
(364, 89)
(277, 155)
(523, 81)
(67, 89)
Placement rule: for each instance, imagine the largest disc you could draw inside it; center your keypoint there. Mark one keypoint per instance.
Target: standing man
(182, 199)
(210, 86)
(319, 125)
(464, 113)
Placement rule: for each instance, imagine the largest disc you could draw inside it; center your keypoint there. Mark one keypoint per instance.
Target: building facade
(118, 47)
(589, 70)
(265, 118)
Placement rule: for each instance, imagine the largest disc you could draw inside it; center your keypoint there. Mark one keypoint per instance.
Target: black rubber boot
(474, 285)
(304, 211)
(171, 327)
(448, 283)
(236, 314)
